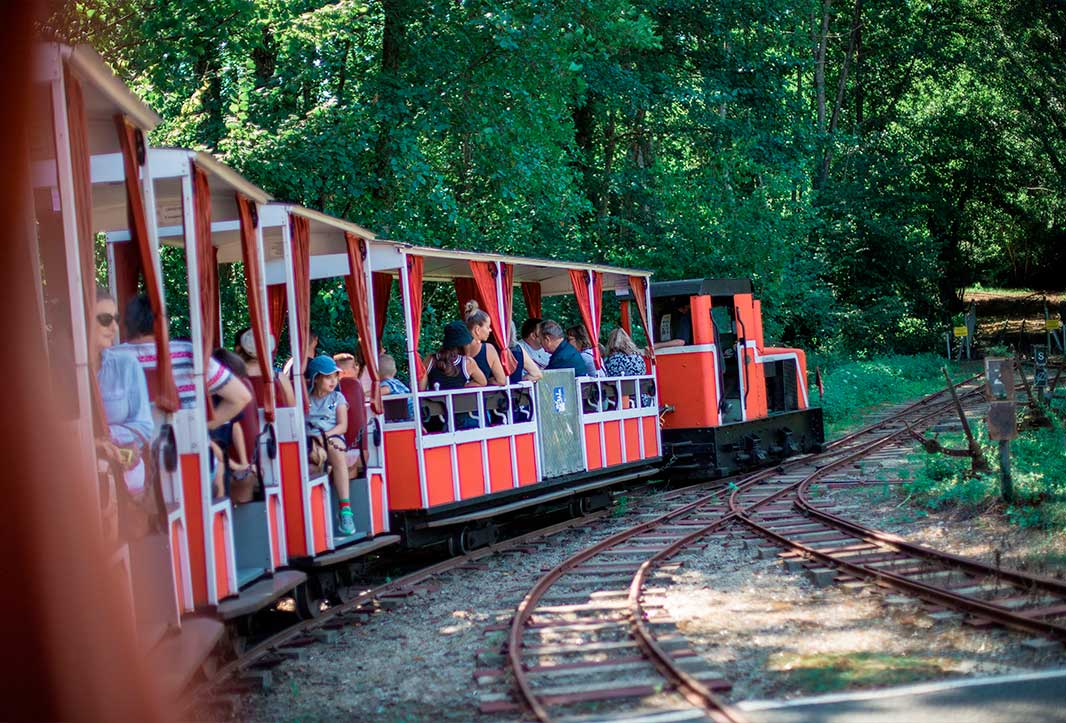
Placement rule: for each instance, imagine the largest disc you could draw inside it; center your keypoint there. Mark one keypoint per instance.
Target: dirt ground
(771, 632)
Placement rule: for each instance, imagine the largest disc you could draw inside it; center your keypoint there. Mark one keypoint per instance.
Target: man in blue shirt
(563, 354)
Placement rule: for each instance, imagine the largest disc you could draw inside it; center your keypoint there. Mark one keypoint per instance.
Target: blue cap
(320, 365)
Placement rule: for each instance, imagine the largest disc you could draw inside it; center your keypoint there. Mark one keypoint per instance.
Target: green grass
(1000, 291)
(828, 672)
(1038, 464)
(855, 388)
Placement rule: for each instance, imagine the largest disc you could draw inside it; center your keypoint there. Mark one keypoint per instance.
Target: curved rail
(845, 452)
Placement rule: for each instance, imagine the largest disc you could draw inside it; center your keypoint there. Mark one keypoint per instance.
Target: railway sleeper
(644, 715)
(591, 669)
(636, 688)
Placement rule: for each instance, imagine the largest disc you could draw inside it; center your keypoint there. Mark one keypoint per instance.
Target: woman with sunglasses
(124, 393)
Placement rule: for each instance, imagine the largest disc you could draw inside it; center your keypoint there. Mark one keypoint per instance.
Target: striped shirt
(181, 361)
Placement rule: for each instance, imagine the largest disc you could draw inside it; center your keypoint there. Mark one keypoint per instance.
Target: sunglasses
(106, 319)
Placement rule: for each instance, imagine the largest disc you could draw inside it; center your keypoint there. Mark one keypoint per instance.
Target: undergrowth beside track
(933, 483)
(1038, 461)
(855, 388)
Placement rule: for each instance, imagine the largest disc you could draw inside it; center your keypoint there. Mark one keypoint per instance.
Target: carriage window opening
(722, 316)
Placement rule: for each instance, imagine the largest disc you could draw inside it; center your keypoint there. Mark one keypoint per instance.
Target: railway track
(589, 643)
(248, 663)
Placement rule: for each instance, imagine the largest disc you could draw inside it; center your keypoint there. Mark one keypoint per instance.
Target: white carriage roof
(169, 167)
(105, 93)
(446, 264)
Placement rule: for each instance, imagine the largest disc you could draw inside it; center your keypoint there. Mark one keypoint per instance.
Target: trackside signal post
(1002, 419)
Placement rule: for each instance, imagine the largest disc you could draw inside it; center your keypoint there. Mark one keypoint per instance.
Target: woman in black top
(484, 354)
(449, 367)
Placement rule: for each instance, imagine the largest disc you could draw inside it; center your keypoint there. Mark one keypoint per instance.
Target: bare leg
(220, 471)
(240, 454)
(340, 472)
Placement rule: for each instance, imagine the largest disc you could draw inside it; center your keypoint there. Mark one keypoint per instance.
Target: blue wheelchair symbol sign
(559, 397)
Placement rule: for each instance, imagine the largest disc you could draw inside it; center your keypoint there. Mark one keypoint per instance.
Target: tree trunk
(819, 66)
(392, 50)
(856, 18)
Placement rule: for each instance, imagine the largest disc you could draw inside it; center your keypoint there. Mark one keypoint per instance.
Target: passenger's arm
(235, 397)
(499, 377)
(477, 377)
(288, 396)
(668, 344)
(342, 422)
(532, 368)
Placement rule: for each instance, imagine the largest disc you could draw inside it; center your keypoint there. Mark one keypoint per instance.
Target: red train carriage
(301, 245)
(732, 402)
(560, 442)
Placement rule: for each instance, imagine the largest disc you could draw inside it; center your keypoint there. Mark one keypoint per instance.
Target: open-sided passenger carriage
(93, 116)
(559, 443)
(211, 213)
(301, 245)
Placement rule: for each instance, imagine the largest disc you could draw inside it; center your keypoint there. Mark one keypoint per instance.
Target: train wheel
(308, 606)
(580, 506)
(460, 543)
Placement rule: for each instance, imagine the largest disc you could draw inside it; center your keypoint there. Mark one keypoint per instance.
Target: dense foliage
(862, 161)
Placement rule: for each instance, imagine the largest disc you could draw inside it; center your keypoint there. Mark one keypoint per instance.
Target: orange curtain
(252, 287)
(206, 262)
(382, 291)
(83, 207)
(355, 284)
(167, 397)
(639, 286)
(301, 268)
(126, 271)
(276, 309)
(582, 280)
(531, 293)
(465, 290)
(624, 320)
(485, 273)
(415, 265)
(507, 287)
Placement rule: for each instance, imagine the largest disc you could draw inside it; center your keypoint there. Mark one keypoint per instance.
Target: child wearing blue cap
(327, 417)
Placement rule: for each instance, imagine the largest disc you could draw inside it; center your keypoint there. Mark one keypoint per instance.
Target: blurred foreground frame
(69, 651)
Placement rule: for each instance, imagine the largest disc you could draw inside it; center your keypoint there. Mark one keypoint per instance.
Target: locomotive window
(723, 319)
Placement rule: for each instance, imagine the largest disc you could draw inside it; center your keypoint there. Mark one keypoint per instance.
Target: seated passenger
(140, 332)
(579, 338)
(230, 437)
(479, 349)
(353, 367)
(526, 368)
(245, 349)
(327, 420)
(623, 357)
(124, 393)
(390, 384)
(219, 383)
(563, 353)
(449, 367)
(677, 327)
(530, 343)
(310, 351)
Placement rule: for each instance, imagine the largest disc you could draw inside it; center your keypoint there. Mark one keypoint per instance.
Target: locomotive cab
(731, 403)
